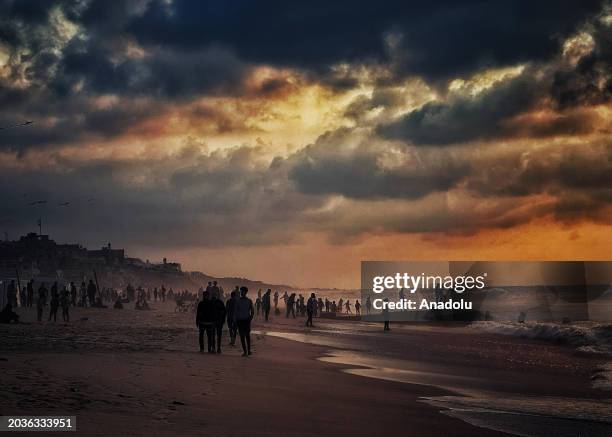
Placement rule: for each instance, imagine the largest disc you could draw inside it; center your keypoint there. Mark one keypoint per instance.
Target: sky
(288, 141)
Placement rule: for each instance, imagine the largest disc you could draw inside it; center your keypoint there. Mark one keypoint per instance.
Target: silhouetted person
(91, 293)
(54, 302)
(11, 294)
(7, 315)
(368, 305)
(357, 308)
(386, 315)
(266, 304)
(230, 307)
(65, 303)
(311, 306)
(30, 293)
(41, 301)
(275, 301)
(214, 290)
(83, 291)
(219, 319)
(258, 303)
(73, 294)
(205, 318)
(243, 314)
(290, 303)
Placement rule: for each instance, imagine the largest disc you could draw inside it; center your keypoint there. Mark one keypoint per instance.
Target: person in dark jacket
(219, 319)
(243, 314)
(311, 306)
(41, 301)
(65, 303)
(54, 303)
(266, 303)
(73, 294)
(91, 293)
(30, 293)
(231, 322)
(205, 318)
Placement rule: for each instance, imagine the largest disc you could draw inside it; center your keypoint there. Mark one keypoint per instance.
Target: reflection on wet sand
(498, 405)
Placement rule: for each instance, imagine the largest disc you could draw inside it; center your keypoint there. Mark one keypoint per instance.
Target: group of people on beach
(212, 311)
(57, 296)
(212, 314)
(297, 304)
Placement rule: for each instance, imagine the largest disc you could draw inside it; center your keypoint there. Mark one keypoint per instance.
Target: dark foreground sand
(126, 372)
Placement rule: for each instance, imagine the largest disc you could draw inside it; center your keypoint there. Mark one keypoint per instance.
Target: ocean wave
(588, 338)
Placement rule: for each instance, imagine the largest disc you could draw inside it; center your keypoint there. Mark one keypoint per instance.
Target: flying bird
(25, 123)
(64, 204)
(37, 202)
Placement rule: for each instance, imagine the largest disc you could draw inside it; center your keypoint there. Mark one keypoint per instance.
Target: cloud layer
(233, 124)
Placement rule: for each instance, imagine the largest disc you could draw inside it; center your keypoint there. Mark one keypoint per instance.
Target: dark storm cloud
(160, 73)
(99, 84)
(370, 171)
(590, 82)
(183, 200)
(192, 49)
(502, 111)
(72, 122)
(553, 170)
(440, 38)
(466, 118)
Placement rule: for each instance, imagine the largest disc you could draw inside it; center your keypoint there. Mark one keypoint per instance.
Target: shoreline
(138, 368)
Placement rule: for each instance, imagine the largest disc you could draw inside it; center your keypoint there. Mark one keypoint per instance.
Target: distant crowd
(212, 310)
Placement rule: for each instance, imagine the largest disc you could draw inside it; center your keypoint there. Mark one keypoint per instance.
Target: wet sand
(126, 372)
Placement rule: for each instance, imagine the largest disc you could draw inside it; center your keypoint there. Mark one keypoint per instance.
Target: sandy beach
(127, 372)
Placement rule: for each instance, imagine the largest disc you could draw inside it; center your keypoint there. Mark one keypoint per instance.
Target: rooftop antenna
(39, 227)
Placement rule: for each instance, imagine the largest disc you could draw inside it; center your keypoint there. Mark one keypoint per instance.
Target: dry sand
(126, 372)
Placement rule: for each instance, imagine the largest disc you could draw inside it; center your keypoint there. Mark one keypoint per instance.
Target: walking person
(219, 318)
(243, 314)
(291, 305)
(41, 301)
(54, 303)
(11, 294)
(266, 304)
(311, 306)
(258, 302)
(386, 315)
(205, 317)
(83, 291)
(30, 293)
(230, 307)
(91, 293)
(65, 303)
(73, 294)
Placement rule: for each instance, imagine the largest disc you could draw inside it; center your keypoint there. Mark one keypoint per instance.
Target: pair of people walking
(211, 316)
